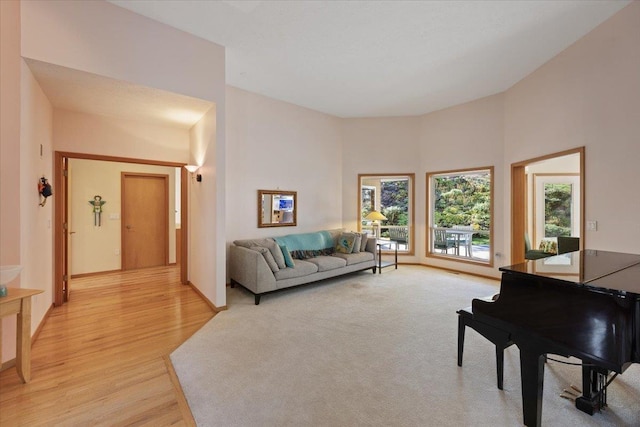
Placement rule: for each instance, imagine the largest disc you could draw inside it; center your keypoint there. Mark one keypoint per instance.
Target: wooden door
(145, 222)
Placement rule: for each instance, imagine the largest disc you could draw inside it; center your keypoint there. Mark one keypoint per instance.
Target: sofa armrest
(371, 247)
(249, 268)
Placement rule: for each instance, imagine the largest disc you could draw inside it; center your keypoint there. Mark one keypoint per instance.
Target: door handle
(129, 227)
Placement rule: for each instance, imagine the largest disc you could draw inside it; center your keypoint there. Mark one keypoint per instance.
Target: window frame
(429, 215)
(411, 177)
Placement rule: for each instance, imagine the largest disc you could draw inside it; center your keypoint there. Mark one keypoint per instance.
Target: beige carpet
(374, 350)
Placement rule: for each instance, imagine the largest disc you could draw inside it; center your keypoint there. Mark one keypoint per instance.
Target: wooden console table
(18, 301)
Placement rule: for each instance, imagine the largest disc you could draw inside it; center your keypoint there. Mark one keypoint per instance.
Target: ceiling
(74, 90)
(345, 58)
(381, 58)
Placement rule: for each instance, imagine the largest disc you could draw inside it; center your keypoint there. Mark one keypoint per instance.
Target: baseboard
(205, 299)
(95, 273)
(187, 416)
(452, 270)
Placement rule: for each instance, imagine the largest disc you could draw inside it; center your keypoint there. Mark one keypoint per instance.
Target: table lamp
(376, 216)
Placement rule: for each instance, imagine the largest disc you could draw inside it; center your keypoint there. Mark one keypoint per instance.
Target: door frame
(60, 248)
(519, 201)
(165, 218)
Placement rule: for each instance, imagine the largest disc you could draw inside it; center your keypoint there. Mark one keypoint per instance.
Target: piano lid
(589, 267)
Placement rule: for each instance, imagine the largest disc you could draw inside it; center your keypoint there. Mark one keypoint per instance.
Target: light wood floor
(101, 358)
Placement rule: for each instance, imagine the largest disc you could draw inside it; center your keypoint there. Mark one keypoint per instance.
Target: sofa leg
(232, 283)
(373, 269)
(257, 298)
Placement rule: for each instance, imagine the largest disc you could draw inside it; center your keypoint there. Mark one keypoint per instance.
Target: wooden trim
(205, 299)
(59, 246)
(35, 335)
(59, 236)
(94, 273)
(183, 405)
(86, 156)
(579, 150)
(518, 213)
(184, 226)
(453, 270)
(518, 200)
(412, 213)
(427, 247)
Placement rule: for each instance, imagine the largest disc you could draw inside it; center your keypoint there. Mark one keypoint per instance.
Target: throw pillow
(549, 246)
(266, 253)
(363, 246)
(345, 243)
(357, 243)
(287, 256)
(277, 253)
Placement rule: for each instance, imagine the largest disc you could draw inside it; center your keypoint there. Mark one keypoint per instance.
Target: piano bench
(498, 337)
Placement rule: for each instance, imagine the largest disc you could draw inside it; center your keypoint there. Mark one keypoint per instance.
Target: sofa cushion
(355, 258)
(325, 263)
(301, 268)
(345, 243)
(265, 243)
(266, 253)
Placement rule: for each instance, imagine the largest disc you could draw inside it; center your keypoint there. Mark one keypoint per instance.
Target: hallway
(101, 358)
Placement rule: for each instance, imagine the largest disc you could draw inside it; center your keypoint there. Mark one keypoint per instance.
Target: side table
(18, 301)
(387, 245)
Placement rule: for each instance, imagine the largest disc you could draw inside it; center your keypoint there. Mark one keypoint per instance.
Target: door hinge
(65, 278)
(65, 172)
(64, 226)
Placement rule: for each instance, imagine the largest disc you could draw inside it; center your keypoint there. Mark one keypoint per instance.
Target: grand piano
(584, 304)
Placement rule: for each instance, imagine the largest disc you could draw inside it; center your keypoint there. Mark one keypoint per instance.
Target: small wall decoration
(44, 188)
(97, 203)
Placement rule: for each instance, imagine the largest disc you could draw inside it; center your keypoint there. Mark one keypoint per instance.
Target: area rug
(369, 350)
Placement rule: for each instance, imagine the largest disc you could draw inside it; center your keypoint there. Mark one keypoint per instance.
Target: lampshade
(375, 216)
(191, 168)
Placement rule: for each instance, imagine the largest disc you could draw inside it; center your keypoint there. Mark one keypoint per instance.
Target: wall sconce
(192, 170)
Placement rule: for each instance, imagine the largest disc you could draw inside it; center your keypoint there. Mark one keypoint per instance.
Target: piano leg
(532, 378)
(593, 394)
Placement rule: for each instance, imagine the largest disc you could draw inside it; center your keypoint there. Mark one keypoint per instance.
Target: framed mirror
(277, 208)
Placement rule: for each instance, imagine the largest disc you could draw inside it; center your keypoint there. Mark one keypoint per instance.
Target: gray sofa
(270, 264)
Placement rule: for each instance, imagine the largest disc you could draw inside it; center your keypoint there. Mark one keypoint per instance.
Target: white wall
(107, 40)
(95, 249)
(464, 136)
(92, 134)
(588, 95)
(10, 103)
(276, 145)
(35, 223)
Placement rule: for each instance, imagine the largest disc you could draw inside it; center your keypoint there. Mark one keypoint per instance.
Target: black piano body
(584, 304)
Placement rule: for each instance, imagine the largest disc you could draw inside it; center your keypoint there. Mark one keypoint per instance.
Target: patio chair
(533, 253)
(441, 242)
(568, 244)
(399, 234)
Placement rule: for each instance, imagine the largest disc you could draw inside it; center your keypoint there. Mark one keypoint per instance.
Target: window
(556, 205)
(391, 196)
(459, 214)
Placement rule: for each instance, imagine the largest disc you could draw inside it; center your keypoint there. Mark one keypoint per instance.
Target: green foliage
(463, 200)
(395, 215)
(557, 210)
